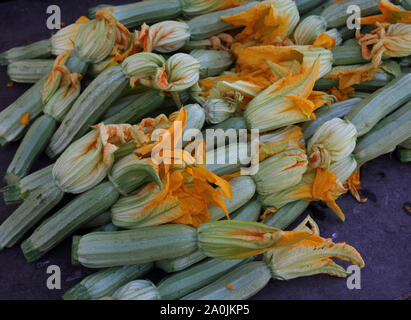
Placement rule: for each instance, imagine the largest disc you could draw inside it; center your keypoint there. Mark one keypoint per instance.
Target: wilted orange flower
(325, 41)
(348, 76)
(353, 185)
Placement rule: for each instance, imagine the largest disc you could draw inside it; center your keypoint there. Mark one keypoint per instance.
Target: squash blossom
(311, 257)
(385, 42)
(185, 193)
(241, 239)
(164, 37)
(309, 29)
(64, 39)
(266, 21)
(281, 171)
(288, 101)
(390, 14)
(344, 168)
(315, 185)
(334, 140)
(179, 72)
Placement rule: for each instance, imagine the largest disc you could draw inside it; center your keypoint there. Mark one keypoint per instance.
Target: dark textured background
(379, 229)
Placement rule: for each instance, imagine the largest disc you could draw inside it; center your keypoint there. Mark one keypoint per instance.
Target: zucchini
(381, 79)
(403, 154)
(385, 136)
(17, 192)
(212, 62)
(182, 283)
(31, 211)
(29, 71)
(317, 10)
(109, 249)
(134, 108)
(67, 220)
(336, 14)
(347, 54)
(88, 108)
(36, 138)
(372, 109)
(245, 281)
(105, 282)
(243, 189)
(134, 14)
(326, 113)
(286, 215)
(248, 212)
(38, 49)
(210, 24)
(100, 221)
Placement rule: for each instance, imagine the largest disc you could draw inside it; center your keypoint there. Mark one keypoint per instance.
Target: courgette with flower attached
(214, 239)
(307, 258)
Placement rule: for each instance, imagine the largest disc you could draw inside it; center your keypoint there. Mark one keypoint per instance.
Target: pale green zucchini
(134, 108)
(286, 214)
(67, 220)
(36, 138)
(406, 4)
(347, 54)
(385, 136)
(38, 49)
(243, 189)
(381, 79)
(88, 108)
(248, 212)
(336, 14)
(210, 24)
(17, 192)
(109, 249)
(347, 33)
(245, 281)
(326, 113)
(32, 210)
(372, 109)
(29, 71)
(359, 94)
(182, 283)
(105, 282)
(133, 14)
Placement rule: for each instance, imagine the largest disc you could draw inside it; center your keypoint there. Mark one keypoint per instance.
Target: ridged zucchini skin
(381, 79)
(103, 283)
(182, 283)
(325, 113)
(231, 123)
(243, 189)
(246, 279)
(347, 54)
(336, 14)
(372, 109)
(29, 71)
(31, 211)
(305, 6)
(99, 221)
(385, 136)
(67, 220)
(29, 102)
(146, 244)
(33, 143)
(38, 49)
(134, 14)
(317, 10)
(17, 192)
(88, 108)
(248, 212)
(286, 214)
(210, 24)
(136, 107)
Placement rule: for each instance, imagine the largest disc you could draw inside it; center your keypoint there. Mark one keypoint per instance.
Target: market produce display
(324, 98)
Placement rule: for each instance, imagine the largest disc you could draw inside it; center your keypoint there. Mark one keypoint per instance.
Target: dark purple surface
(379, 229)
